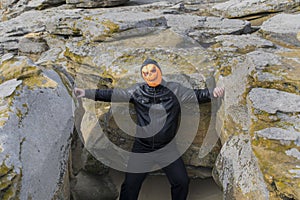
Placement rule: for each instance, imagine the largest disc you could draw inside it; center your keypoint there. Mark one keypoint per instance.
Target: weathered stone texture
(240, 8)
(283, 29)
(29, 138)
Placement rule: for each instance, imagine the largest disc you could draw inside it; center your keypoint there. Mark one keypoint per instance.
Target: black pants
(177, 177)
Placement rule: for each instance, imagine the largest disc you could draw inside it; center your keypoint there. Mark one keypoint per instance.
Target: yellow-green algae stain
(19, 69)
(110, 28)
(9, 183)
(77, 58)
(41, 81)
(5, 105)
(30, 74)
(281, 183)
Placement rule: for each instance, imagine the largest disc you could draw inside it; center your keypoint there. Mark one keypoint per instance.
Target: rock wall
(35, 132)
(262, 107)
(48, 47)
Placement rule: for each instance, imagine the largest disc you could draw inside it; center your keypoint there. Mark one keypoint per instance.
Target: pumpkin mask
(152, 75)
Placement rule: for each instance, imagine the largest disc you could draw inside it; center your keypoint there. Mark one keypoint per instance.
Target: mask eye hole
(153, 70)
(145, 73)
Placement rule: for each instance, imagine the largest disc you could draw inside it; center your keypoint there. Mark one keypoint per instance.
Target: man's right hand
(79, 92)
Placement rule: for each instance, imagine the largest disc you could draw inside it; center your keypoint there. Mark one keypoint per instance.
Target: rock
(96, 4)
(12, 31)
(119, 25)
(293, 152)
(35, 148)
(8, 87)
(272, 101)
(275, 133)
(11, 9)
(283, 35)
(279, 134)
(242, 43)
(204, 29)
(267, 71)
(93, 187)
(239, 8)
(32, 45)
(237, 171)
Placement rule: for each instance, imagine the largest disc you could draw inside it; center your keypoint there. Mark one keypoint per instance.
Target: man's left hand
(219, 92)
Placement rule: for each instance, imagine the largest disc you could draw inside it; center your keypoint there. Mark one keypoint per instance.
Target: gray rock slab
(244, 41)
(33, 45)
(204, 29)
(272, 100)
(282, 24)
(8, 87)
(35, 139)
(261, 59)
(294, 153)
(237, 169)
(212, 27)
(240, 8)
(283, 28)
(274, 133)
(123, 24)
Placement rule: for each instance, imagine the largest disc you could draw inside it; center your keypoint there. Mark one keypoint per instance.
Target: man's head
(151, 72)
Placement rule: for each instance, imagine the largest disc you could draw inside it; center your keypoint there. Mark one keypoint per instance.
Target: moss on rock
(9, 183)
(17, 68)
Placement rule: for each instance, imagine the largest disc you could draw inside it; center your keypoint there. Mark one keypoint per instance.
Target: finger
(221, 92)
(218, 92)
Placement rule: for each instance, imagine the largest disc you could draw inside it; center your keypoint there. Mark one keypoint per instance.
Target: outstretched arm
(200, 95)
(106, 95)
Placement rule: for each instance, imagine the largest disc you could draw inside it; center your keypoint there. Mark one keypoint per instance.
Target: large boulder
(286, 35)
(264, 107)
(36, 126)
(237, 171)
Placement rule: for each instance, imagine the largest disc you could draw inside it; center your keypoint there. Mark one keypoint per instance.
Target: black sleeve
(109, 95)
(194, 95)
(203, 95)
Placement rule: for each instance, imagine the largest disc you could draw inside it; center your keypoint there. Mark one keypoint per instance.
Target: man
(157, 131)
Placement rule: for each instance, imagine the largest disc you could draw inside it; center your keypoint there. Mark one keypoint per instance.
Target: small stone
(274, 133)
(8, 87)
(293, 152)
(6, 57)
